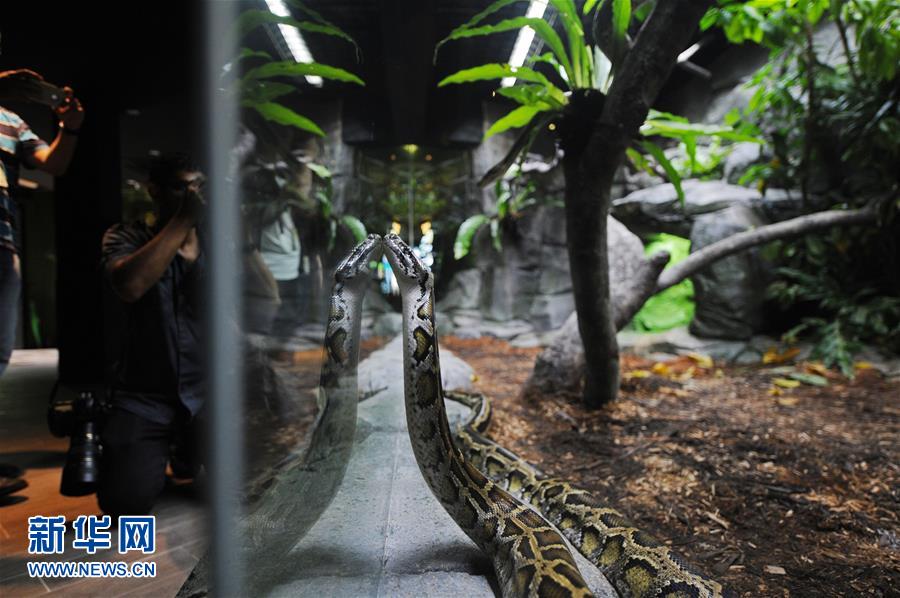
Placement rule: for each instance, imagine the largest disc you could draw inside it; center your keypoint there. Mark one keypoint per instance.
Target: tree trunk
(589, 265)
(594, 133)
(561, 366)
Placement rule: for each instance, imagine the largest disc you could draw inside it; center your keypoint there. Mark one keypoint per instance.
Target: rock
(549, 312)
(388, 324)
(381, 369)
(462, 292)
(729, 293)
(560, 367)
(506, 330)
(375, 303)
(782, 204)
(554, 273)
(741, 157)
(657, 209)
(632, 278)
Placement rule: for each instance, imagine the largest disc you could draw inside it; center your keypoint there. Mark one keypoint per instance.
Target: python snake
(284, 506)
(635, 563)
(529, 556)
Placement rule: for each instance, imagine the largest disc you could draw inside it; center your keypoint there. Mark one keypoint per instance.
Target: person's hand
(70, 112)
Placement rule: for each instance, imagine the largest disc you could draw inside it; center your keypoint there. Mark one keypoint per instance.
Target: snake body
(277, 523)
(284, 506)
(635, 563)
(529, 556)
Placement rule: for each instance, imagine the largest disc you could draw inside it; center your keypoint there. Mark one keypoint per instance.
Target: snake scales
(282, 507)
(529, 555)
(489, 507)
(635, 563)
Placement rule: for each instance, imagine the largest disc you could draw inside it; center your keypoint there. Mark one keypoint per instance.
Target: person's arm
(132, 275)
(55, 158)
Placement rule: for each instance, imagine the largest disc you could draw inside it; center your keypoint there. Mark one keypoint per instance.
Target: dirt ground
(774, 488)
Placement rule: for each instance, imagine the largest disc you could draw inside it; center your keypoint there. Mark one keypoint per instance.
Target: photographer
(18, 146)
(158, 271)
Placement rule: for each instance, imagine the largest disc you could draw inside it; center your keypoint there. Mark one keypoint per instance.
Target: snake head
(358, 260)
(406, 266)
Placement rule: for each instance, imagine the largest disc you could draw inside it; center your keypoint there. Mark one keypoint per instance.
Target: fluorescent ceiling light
(523, 43)
(292, 38)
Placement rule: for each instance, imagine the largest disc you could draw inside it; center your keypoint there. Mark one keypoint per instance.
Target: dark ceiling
(401, 102)
(146, 54)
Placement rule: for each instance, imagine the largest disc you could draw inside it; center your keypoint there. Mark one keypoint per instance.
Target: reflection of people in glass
(159, 389)
(18, 146)
(275, 187)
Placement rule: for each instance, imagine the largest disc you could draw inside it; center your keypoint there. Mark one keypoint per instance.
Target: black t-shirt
(161, 367)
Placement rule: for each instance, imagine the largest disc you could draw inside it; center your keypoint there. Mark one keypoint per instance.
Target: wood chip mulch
(774, 491)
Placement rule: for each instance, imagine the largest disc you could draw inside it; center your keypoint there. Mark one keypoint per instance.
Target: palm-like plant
(259, 88)
(584, 70)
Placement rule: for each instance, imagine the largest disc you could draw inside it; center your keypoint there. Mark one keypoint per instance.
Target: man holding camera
(20, 146)
(158, 272)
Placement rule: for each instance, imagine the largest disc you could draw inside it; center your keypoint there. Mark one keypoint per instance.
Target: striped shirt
(17, 146)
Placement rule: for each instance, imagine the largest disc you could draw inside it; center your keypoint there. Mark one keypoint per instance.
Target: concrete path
(385, 534)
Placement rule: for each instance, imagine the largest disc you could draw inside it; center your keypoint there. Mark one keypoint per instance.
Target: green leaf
(679, 129)
(495, 234)
(285, 116)
(503, 202)
(491, 9)
(520, 147)
(589, 5)
(540, 26)
(289, 68)
(253, 18)
(319, 170)
(355, 226)
(809, 379)
(250, 53)
(487, 72)
(519, 117)
(258, 92)
(674, 178)
(602, 71)
(621, 17)
(643, 11)
(466, 233)
(534, 95)
(639, 161)
(325, 205)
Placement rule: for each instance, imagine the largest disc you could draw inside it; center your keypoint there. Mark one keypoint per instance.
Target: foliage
(674, 306)
(835, 121)
(833, 128)
(513, 198)
(260, 89)
(846, 315)
(576, 65)
(324, 210)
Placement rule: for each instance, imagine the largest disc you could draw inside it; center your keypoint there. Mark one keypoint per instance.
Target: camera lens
(81, 472)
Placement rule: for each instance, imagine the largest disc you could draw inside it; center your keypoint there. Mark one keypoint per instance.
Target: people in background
(20, 146)
(159, 390)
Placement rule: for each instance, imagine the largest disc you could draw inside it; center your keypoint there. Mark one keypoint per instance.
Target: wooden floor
(25, 441)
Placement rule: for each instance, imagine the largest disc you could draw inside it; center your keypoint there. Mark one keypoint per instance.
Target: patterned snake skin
(284, 506)
(529, 556)
(635, 563)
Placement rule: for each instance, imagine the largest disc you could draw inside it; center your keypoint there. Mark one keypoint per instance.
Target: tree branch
(764, 234)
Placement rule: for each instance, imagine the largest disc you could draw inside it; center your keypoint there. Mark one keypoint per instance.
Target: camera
(28, 86)
(80, 419)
